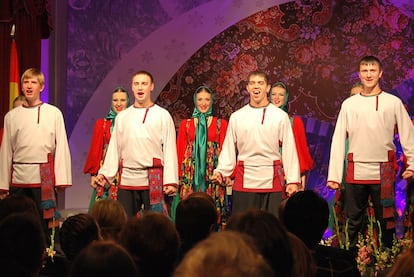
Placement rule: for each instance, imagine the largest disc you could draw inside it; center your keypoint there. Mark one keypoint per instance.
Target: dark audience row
(107, 243)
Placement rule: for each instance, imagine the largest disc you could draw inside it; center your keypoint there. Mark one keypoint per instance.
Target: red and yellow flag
(14, 75)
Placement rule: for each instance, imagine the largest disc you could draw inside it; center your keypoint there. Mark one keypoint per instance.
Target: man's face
(370, 73)
(31, 89)
(142, 88)
(258, 89)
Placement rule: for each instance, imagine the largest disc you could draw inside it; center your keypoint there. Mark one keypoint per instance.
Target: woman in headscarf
(199, 144)
(100, 140)
(279, 96)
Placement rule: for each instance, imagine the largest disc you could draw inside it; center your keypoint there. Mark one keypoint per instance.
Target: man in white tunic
(252, 154)
(143, 149)
(34, 155)
(369, 121)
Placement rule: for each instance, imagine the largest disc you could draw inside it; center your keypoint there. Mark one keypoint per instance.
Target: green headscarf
(285, 103)
(200, 142)
(112, 114)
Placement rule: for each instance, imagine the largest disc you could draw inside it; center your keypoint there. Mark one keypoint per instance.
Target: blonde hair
(33, 73)
(224, 254)
(110, 216)
(20, 98)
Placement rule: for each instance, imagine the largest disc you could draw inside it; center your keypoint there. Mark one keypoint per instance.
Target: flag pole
(13, 30)
(14, 85)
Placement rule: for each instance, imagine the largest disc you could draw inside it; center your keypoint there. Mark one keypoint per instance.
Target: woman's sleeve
(181, 144)
(223, 130)
(299, 133)
(93, 160)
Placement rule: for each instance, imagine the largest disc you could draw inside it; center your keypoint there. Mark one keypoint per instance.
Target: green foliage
(373, 257)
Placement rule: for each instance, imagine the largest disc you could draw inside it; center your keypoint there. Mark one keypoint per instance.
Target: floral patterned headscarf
(112, 114)
(200, 142)
(285, 103)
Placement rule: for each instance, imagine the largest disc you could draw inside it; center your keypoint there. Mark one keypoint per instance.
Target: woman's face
(278, 95)
(119, 101)
(203, 101)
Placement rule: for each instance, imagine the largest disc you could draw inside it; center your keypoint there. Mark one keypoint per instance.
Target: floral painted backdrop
(312, 46)
(122, 37)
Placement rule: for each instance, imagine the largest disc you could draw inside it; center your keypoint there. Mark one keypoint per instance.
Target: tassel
(48, 204)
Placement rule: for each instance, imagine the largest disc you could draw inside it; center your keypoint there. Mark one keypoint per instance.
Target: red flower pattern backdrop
(312, 46)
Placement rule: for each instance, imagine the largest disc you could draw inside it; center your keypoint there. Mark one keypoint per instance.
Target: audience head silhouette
(110, 216)
(22, 247)
(18, 204)
(104, 259)
(77, 232)
(224, 254)
(153, 243)
(269, 236)
(196, 218)
(306, 215)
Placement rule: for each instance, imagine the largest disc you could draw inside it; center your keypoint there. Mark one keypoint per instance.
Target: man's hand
(93, 184)
(333, 185)
(100, 180)
(217, 178)
(169, 190)
(229, 182)
(3, 194)
(302, 182)
(408, 174)
(291, 189)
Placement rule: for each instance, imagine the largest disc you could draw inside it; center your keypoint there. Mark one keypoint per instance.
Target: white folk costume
(251, 150)
(35, 153)
(143, 147)
(30, 135)
(369, 123)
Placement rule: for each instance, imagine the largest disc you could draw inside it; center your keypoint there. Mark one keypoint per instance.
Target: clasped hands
(218, 179)
(98, 180)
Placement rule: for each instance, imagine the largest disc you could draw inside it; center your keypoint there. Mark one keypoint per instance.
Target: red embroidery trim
(38, 114)
(145, 116)
(264, 112)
